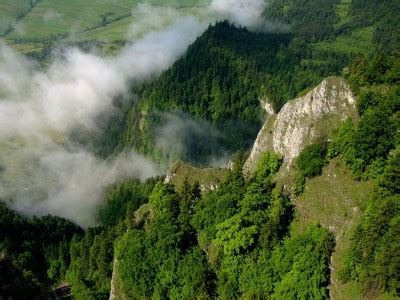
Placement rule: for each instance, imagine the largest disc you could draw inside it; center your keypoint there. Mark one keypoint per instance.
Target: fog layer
(41, 170)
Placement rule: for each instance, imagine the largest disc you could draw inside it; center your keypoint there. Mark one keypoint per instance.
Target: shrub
(299, 184)
(268, 165)
(312, 159)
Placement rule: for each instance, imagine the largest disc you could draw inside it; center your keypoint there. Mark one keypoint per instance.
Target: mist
(180, 136)
(241, 12)
(41, 170)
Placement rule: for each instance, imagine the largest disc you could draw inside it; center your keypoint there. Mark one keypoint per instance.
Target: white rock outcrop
(303, 121)
(113, 279)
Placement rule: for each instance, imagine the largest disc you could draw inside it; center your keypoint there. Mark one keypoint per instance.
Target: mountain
(246, 67)
(221, 79)
(303, 121)
(280, 144)
(322, 188)
(336, 185)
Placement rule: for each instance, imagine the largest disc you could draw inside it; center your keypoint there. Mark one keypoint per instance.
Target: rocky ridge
(304, 120)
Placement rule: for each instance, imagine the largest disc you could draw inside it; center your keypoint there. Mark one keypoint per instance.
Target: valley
(202, 149)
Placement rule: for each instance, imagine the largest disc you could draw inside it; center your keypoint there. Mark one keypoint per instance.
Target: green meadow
(29, 26)
(10, 11)
(357, 41)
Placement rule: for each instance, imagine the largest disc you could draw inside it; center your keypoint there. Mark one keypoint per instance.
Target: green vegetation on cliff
(239, 237)
(221, 79)
(371, 149)
(227, 243)
(31, 253)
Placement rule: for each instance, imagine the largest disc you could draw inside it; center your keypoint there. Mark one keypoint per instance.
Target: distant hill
(11, 12)
(30, 25)
(349, 26)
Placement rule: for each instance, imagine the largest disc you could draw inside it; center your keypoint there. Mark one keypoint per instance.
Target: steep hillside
(351, 185)
(30, 26)
(307, 119)
(312, 213)
(370, 148)
(11, 12)
(220, 80)
(208, 179)
(336, 201)
(350, 26)
(229, 243)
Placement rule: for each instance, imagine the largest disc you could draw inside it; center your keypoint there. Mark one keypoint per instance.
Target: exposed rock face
(303, 121)
(264, 142)
(116, 292)
(113, 278)
(208, 178)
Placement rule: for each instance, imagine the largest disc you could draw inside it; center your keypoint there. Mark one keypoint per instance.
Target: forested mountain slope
(234, 238)
(328, 195)
(327, 227)
(228, 70)
(228, 246)
(221, 79)
(357, 23)
(30, 251)
(304, 120)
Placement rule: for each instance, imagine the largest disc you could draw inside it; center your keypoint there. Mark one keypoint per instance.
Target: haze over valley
(227, 149)
(43, 171)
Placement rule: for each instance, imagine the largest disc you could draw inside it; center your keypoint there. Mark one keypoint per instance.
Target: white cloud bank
(40, 170)
(241, 12)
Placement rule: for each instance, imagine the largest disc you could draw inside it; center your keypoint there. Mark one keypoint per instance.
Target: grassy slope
(114, 31)
(342, 10)
(358, 41)
(9, 10)
(51, 17)
(120, 29)
(334, 200)
(207, 178)
(81, 20)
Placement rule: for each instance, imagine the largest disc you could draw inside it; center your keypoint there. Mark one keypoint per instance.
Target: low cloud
(241, 12)
(194, 140)
(68, 183)
(51, 15)
(150, 17)
(274, 26)
(41, 170)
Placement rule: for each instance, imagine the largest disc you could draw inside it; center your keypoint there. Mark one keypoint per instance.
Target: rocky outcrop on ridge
(304, 120)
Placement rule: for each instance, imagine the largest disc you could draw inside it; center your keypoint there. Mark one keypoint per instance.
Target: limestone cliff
(113, 295)
(116, 292)
(304, 120)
